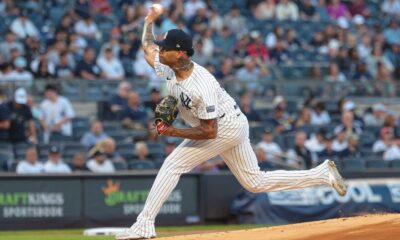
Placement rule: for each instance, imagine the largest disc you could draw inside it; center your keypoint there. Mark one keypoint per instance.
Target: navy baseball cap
(177, 39)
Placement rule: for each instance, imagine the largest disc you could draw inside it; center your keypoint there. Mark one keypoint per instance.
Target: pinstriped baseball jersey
(199, 97)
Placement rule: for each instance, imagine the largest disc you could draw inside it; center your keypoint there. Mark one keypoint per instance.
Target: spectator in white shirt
(386, 138)
(319, 116)
(57, 113)
(19, 74)
(54, 163)
(234, 21)
(377, 117)
(86, 27)
(271, 149)
(30, 165)
(191, 7)
(23, 27)
(340, 143)
(391, 7)
(392, 153)
(100, 163)
(316, 143)
(287, 10)
(110, 66)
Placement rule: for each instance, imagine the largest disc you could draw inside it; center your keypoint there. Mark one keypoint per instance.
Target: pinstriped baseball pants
(233, 145)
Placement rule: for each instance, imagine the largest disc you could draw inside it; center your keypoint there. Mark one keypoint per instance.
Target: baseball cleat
(335, 179)
(128, 235)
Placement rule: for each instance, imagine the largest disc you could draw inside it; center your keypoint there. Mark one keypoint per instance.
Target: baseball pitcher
(218, 127)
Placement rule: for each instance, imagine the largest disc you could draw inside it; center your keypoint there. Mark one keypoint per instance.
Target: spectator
(10, 43)
(270, 148)
(364, 48)
(226, 71)
(134, 116)
(78, 163)
(100, 163)
(41, 67)
(199, 56)
(336, 9)
(35, 110)
(319, 116)
(341, 142)
(131, 20)
(316, 143)
(318, 43)
(109, 147)
(66, 24)
(234, 20)
(292, 42)
(224, 41)
(96, 134)
(392, 153)
(55, 164)
(120, 101)
(307, 10)
(385, 140)
(251, 72)
(304, 118)
(199, 22)
(392, 33)
(247, 107)
(349, 126)
(155, 98)
(110, 66)
(357, 7)
(113, 43)
(215, 21)
(142, 151)
(86, 27)
(272, 37)
(287, 10)
(300, 155)
(30, 165)
(280, 54)
(23, 27)
(328, 151)
(144, 71)
(63, 69)
(82, 7)
(256, 48)
(87, 68)
(264, 10)
(54, 54)
(57, 113)
(192, 6)
(334, 75)
(20, 76)
(4, 122)
(377, 116)
(281, 117)
(378, 57)
(77, 45)
(22, 127)
(321, 10)
(391, 7)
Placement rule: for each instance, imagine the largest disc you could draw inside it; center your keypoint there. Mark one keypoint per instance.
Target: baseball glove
(165, 113)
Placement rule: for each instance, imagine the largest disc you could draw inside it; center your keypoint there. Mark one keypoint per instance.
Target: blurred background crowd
(316, 78)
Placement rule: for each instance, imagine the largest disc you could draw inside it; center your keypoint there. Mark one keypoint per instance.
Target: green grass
(76, 234)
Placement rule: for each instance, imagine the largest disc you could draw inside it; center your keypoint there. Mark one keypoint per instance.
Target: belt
(235, 107)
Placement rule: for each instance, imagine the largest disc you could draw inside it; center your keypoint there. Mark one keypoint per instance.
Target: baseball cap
(20, 96)
(54, 149)
(177, 39)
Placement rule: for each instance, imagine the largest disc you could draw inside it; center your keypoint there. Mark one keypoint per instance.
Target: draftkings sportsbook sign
(22, 199)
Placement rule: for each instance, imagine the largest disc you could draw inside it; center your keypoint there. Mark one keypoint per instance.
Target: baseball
(158, 8)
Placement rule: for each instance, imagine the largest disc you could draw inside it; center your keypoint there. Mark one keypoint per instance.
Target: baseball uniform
(201, 97)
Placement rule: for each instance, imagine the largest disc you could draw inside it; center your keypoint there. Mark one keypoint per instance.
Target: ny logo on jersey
(185, 100)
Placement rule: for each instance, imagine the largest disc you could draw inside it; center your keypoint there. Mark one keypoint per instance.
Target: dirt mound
(367, 227)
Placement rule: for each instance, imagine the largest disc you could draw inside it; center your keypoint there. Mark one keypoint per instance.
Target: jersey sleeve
(208, 107)
(161, 69)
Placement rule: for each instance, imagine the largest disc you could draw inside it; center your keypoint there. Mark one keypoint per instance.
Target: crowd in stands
(238, 40)
(355, 42)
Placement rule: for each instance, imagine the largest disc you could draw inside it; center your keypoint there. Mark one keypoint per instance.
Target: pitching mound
(368, 227)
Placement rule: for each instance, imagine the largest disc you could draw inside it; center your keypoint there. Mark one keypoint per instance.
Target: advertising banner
(23, 200)
(317, 203)
(117, 197)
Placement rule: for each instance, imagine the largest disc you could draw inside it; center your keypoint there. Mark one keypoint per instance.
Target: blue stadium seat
(377, 164)
(353, 165)
(141, 165)
(120, 166)
(395, 164)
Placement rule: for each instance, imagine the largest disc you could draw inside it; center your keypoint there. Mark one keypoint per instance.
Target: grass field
(77, 234)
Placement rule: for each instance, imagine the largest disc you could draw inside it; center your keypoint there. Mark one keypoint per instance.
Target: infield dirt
(366, 227)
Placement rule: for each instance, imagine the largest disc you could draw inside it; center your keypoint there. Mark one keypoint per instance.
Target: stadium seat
(141, 165)
(353, 165)
(377, 164)
(395, 164)
(119, 166)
